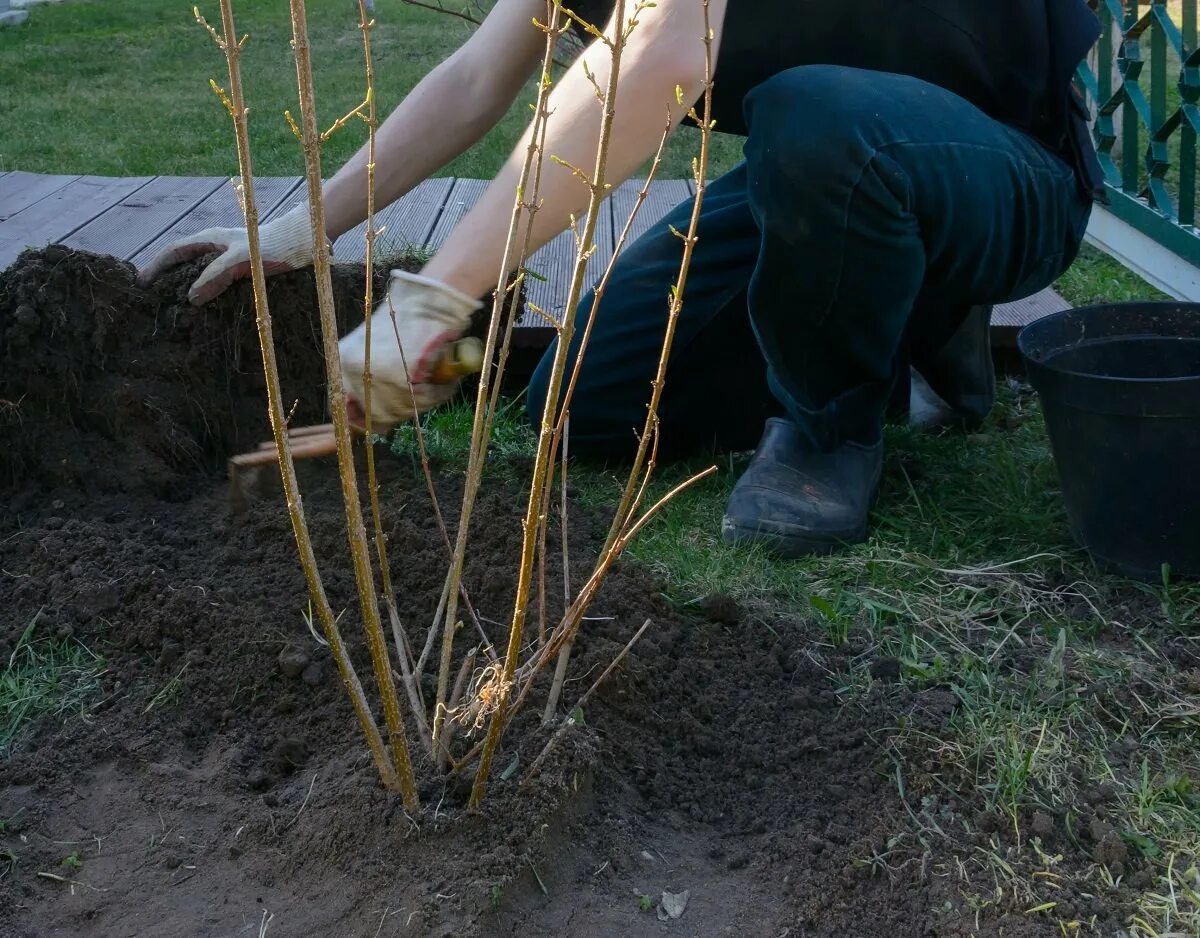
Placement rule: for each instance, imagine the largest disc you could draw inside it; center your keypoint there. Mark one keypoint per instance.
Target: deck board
(663, 196)
(20, 190)
(462, 196)
(219, 209)
(60, 214)
(139, 218)
(555, 262)
(406, 224)
(1010, 318)
(136, 217)
(295, 196)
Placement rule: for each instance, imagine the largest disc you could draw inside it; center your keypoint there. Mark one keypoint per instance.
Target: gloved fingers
(393, 403)
(233, 265)
(185, 249)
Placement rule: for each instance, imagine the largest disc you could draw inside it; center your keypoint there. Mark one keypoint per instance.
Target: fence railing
(1143, 83)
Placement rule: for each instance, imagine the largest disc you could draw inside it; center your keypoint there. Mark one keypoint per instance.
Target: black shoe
(795, 501)
(959, 386)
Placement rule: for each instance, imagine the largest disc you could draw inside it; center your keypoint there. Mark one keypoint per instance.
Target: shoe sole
(789, 546)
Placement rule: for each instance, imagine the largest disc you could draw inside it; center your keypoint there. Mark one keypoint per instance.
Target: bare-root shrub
(487, 689)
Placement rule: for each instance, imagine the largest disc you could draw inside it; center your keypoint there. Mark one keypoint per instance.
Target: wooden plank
(464, 194)
(220, 209)
(59, 215)
(138, 219)
(297, 195)
(1010, 318)
(663, 196)
(407, 223)
(555, 262)
(20, 190)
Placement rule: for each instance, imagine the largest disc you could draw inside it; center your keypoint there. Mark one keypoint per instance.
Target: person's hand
(286, 244)
(428, 316)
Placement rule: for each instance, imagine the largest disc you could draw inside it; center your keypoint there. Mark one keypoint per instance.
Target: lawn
(122, 89)
(1064, 677)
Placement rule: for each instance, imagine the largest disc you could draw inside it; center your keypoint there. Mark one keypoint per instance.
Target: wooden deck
(133, 217)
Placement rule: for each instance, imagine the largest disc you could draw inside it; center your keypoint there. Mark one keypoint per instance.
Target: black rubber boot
(795, 501)
(959, 386)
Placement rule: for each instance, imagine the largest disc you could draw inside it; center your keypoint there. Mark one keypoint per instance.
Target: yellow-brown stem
(626, 507)
(568, 628)
(295, 504)
(569, 720)
(560, 428)
(479, 438)
(356, 532)
(542, 459)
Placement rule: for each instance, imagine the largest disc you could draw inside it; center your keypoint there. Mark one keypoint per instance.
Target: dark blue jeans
(871, 212)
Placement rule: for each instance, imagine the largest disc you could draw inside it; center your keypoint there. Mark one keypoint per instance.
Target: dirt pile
(110, 386)
(106, 385)
(220, 787)
(223, 774)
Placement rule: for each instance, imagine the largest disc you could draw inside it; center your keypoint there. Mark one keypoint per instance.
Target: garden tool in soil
(453, 361)
(286, 244)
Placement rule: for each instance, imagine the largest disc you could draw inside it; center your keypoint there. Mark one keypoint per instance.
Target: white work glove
(429, 315)
(286, 244)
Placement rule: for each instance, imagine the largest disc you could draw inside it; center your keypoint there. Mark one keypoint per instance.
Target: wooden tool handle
(299, 435)
(304, 448)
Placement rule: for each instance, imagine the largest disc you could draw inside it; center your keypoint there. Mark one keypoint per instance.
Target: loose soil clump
(219, 785)
(131, 388)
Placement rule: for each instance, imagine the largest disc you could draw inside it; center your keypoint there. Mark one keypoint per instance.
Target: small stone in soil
(293, 660)
(672, 905)
(314, 674)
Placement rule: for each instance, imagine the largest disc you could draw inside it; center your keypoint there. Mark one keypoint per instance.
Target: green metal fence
(1143, 82)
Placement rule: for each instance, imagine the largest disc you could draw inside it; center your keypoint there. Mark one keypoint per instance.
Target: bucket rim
(1028, 331)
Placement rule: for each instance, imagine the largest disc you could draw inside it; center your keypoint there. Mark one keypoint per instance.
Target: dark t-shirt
(1013, 59)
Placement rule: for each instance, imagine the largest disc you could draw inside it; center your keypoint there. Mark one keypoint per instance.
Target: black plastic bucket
(1120, 387)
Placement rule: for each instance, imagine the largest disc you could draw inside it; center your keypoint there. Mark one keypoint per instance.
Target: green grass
(122, 88)
(1097, 278)
(45, 677)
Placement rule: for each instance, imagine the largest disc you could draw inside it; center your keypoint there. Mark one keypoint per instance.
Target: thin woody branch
(543, 458)
(295, 504)
(481, 424)
(356, 532)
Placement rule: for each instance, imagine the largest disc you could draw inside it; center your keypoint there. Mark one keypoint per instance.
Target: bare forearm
(438, 120)
(473, 255)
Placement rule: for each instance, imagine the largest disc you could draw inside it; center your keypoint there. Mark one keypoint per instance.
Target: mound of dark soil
(106, 385)
(225, 779)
